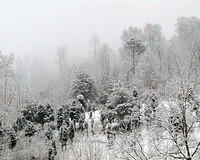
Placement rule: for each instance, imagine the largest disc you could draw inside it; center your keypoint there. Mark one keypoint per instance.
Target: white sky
(38, 27)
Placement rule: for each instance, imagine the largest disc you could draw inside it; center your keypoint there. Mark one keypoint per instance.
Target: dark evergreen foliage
(60, 118)
(20, 124)
(12, 138)
(38, 114)
(52, 151)
(75, 111)
(71, 132)
(30, 112)
(136, 45)
(49, 133)
(103, 98)
(30, 130)
(64, 135)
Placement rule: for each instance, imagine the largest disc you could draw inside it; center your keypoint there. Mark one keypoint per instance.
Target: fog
(99, 79)
(39, 27)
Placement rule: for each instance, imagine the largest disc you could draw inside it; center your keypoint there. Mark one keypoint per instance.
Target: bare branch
(195, 151)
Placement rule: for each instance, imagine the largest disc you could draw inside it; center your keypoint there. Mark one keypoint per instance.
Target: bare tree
(179, 121)
(94, 45)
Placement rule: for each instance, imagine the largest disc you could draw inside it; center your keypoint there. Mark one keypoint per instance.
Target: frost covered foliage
(147, 73)
(123, 109)
(83, 102)
(179, 124)
(25, 150)
(84, 85)
(109, 87)
(86, 149)
(119, 96)
(20, 124)
(148, 95)
(27, 125)
(38, 114)
(74, 112)
(30, 130)
(150, 100)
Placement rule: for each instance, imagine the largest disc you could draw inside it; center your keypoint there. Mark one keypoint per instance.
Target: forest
(140, 102)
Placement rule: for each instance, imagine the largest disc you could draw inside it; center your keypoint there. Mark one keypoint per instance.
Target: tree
(64, 72)
(196, 53)
(6, 71)
(29, 112)
(132, 46)
(38, 114)
(44, 115)
(20, 124)
(188, 33)
(104, 55)
(117, 97)
(188, 29)
(94, 45)
(130, 33)
(30, 130)
(178, 121)
(84, 85)
(62, 61)
(136, 47)
(81, 99)
(99, 61)
(150, 99)
(60, 118)
(108, 88)
(155, 41)
(126, 53)
(12, 138)
(75, 112)
(121, 104)
(147, 74)
(7, 88)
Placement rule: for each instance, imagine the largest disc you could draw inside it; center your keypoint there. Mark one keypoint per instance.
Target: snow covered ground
(95, 115)
(96, 146)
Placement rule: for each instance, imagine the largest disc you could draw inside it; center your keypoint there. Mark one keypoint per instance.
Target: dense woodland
(141, 102)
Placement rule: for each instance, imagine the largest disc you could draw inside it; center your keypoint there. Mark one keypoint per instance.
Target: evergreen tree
(42, 115)
(12, 138)
(84, 85)
(30, 130)
(75, 111)
(20, 124)
(29, 112)
(119, 96)
(60, 118)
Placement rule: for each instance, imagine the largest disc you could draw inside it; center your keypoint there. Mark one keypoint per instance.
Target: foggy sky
(38, 27)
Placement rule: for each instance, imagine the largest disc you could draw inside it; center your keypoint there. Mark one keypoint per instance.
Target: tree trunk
(160, 59)
(185, 132)
(128, 78)
(5, 90)
(169, 66)
(133, 61)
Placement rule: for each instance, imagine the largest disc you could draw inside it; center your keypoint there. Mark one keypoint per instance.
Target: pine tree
(84, 85)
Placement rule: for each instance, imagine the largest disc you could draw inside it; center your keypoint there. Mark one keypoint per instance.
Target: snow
(95, 115)
(196, 132)
(96, 146)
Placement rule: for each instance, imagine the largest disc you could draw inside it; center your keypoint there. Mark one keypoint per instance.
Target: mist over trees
(152, 80)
